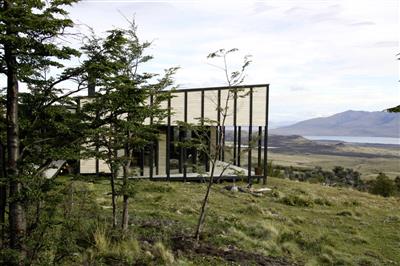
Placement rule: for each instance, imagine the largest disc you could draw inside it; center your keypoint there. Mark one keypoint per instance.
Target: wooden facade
(246, 125)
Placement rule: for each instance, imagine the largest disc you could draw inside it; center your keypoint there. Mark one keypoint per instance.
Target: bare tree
(233, 79)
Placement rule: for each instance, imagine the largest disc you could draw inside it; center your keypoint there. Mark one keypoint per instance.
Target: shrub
(323, 202)
(383, 186)
(8, 257)
(397, 183)
(347, 176)
(299, 201)
(273, 170)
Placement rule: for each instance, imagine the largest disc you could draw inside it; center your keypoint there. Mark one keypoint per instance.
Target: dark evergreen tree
(29, 47)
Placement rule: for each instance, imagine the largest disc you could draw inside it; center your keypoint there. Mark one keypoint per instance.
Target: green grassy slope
(306, 224)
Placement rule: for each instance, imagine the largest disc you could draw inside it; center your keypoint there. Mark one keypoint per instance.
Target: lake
(375, 140)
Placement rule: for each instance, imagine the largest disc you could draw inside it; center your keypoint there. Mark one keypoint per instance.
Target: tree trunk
(113, 199)
(126, 167)
(17, 213)
(3, 195)
(203, 209)
(204, 205)
(125, 214)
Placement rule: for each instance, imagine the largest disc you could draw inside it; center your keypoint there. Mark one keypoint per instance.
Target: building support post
(219, 128)
(239, 146)
(266, 137)
(249, 144)
(168, 142)
(259, 151)
(208, 149)
(157, 158)
(184, 137)
(151, 162)
(142, 161)
(234, 127)
(204, 154)
(223, 144)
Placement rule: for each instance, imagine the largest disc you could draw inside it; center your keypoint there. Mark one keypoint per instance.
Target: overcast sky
(320, 57)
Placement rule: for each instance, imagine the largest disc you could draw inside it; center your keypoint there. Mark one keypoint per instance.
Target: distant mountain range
(349, 123)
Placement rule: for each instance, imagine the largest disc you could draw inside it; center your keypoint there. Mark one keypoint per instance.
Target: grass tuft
(162, 254)
(252, 209)
(323, 202)
(297, 201)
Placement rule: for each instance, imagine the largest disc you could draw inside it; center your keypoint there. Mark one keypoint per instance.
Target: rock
(232, 188)
(243, 190)
(265, 189)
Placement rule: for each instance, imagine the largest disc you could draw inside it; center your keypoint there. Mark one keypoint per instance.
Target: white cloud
(320, 57)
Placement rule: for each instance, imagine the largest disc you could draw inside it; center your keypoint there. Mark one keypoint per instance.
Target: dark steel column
(97, 163)
(184, 136)
(223, 144)
(194, 154)
(219, 108)
(218, 131)
(141, 161)
(259, 147)
(217, 143)
(249, 145)
(239, 150)
(151, 160)
(157, 158)
(180, 160)
(204, 154)
(208, 149)
(234, 126)
(202, 107)
(168, 140)
(266, 137)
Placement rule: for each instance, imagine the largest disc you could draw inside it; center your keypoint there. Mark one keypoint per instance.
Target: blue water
(375, 140)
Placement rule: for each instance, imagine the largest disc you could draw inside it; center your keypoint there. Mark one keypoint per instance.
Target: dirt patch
(241, 257)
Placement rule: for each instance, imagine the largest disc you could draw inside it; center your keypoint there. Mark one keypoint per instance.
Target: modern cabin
(241, 137)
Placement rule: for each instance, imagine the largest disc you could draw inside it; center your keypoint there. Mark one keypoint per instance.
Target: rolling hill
(349, 123)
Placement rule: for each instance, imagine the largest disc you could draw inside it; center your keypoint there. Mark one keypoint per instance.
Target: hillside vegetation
(296, 224)
(368, 159)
